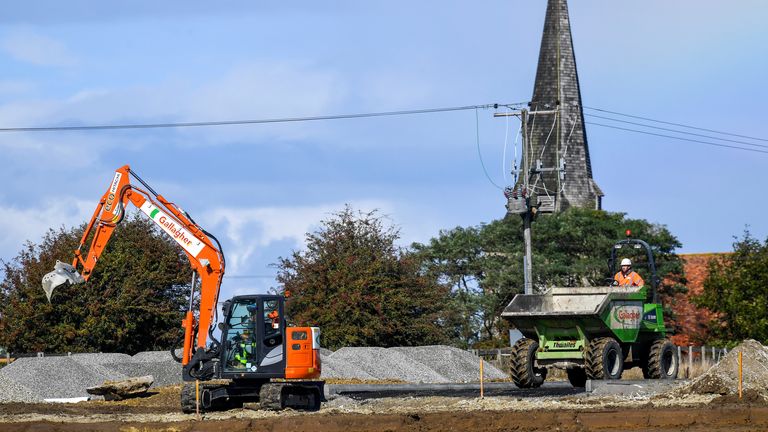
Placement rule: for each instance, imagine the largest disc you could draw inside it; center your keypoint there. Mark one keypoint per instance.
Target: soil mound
(723, 378)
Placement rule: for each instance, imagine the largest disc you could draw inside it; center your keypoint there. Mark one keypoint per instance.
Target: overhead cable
(678, 138)
(675, 124)
(677, 131)
(253, 121)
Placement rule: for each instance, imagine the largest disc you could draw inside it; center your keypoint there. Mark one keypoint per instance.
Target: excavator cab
(253, 331)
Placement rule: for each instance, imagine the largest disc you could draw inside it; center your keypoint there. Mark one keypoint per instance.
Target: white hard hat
(626, 261)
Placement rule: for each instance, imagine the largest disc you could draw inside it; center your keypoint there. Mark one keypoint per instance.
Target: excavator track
(280, 395)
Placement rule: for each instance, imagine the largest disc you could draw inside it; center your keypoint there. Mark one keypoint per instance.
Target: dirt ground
(160, 412)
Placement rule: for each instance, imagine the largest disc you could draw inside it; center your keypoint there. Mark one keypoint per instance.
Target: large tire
(604, 359)
(577, 376)
(524, 373)
(663, 362)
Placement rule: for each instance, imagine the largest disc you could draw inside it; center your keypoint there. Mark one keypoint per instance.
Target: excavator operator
(626, 276)
(245, 350)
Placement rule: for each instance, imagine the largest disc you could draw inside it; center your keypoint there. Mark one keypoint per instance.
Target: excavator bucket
(61, 274)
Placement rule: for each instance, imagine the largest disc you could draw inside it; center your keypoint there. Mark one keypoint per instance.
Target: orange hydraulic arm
(202, 249)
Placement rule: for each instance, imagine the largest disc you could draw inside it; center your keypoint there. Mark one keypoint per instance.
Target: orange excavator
(256, 346)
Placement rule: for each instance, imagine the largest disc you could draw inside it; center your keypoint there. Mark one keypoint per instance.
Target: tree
(360, 288)
(133, 302)
(483, 264)
(736, 288)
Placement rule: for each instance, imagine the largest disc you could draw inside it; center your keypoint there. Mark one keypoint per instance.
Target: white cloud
(20, 225)
(250, 229)
(30, 47)
(247, 91)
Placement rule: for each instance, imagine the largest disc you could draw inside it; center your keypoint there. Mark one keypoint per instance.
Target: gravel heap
(10, 391)
(37, 378)
(723, 378)
(56, 377)
(426, 364)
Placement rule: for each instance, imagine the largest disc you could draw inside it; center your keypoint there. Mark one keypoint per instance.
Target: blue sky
(261, 187)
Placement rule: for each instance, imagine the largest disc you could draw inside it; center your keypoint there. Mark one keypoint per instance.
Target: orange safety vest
(632, 279)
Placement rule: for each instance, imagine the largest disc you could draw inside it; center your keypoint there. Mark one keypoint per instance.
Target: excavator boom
(202, 249)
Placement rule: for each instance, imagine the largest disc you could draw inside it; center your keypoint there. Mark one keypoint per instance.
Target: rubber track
(270, 396)
(593, 364)
(519, 368)
(654, 359)
(188, 402)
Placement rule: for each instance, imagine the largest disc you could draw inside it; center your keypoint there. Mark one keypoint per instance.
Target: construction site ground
(709, 402)
(553, 408)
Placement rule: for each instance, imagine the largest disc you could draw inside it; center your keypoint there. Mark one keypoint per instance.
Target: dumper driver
(626, 276)
(245, 350)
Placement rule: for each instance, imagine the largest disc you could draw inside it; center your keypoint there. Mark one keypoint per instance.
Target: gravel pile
(37, 378)
(455, 364)
(427, 364)
(10, 391)
(57, 377)
(388, 364)
(723, 378)
(342, 369)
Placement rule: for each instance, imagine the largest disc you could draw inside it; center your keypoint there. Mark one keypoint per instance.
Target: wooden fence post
(690, 358)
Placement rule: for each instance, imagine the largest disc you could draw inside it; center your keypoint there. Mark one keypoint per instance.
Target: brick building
(691, 319)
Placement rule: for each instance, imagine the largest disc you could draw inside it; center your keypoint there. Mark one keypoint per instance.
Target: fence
(693, 359)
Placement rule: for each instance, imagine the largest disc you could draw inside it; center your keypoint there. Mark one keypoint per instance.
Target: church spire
(559, 141)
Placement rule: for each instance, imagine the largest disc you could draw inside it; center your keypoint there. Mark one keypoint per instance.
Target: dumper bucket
(591, 309)
(61, 274)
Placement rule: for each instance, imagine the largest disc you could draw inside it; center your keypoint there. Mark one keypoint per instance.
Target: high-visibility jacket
(246, 351)
(631, 279)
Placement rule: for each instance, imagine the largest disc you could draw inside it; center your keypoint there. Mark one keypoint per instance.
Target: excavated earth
(159, 412)
(707, 403)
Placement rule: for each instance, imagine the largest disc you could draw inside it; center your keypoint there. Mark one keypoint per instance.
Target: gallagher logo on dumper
(626, 315)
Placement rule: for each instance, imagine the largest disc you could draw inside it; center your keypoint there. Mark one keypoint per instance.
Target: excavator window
(241, 333)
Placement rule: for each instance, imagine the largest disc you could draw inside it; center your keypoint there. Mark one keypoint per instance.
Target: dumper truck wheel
(524, 373)
(577, 376)
(663, 362)
(604, 359)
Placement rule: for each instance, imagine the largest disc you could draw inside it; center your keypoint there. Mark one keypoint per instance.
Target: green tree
(736, 288)
(360, 288)
(133, 301)
(483, 264)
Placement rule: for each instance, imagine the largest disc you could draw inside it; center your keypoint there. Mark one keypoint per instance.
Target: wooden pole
(481, 378)
(197, 398)
(740, 375)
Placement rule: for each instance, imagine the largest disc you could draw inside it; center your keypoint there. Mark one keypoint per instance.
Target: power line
(255, 276)
(677, 131)
(678, 138)
(254, 121)
(676, 124)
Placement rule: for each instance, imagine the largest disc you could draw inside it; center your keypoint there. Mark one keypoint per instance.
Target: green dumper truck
(592, 332)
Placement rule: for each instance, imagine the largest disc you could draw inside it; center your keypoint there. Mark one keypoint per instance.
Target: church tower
(557, 144)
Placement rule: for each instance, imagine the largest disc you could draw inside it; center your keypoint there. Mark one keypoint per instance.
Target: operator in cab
(626, 276)
(245, 350)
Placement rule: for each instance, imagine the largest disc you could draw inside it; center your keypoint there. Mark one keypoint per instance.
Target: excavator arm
(202, 249)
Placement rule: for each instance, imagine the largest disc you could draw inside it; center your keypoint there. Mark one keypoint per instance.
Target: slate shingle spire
(560, 142)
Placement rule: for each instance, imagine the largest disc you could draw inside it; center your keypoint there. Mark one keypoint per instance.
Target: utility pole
(528, 260)
(524, 201)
